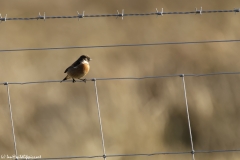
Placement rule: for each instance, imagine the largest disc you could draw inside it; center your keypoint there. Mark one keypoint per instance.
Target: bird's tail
(64, 79)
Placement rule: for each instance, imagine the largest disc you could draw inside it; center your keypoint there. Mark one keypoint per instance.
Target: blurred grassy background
(60, 119)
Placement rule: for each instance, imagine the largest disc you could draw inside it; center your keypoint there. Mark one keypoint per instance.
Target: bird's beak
(90, 59)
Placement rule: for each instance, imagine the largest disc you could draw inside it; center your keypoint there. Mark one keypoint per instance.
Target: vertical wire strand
(99, 117)
(189, 125)
(10, 109)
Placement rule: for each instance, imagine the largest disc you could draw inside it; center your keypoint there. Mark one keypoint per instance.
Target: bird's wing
(75, 64)
(66, 70)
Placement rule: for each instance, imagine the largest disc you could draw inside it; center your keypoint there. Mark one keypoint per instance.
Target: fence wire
(122, 45)
(140, 154)
(11, 118)
(123, 78)
(118, 14)
(189, 124)
(104, 156)
(100, 120)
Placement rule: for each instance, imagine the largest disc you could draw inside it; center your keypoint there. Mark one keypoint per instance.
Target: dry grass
(143, 116)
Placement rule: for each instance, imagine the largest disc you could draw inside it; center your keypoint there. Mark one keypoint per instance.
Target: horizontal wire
(120, 14)
(116, 155)
(125, 78)
(120, 45)
(217, 151)
(141, 154)
(70, 157)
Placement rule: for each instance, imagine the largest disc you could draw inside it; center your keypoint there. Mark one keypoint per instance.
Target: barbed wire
(121, 45)
(118, 14)
(123, 78)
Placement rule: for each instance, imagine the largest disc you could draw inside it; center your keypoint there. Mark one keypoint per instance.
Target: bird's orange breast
(79, 71)
(85, 68)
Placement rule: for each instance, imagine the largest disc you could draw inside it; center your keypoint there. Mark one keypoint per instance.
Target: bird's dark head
(86, 58)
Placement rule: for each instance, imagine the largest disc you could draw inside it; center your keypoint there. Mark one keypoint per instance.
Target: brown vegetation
(139, 116)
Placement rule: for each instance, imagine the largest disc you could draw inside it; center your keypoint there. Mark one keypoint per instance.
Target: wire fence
(121, 15)
(118, 14)
(105, 155)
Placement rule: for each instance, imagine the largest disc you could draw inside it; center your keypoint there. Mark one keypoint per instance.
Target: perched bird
(78, 69)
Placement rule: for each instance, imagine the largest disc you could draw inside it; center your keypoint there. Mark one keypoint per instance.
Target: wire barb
(3, 18)
(120, 14)
(236, 10)
(80, 15)
(198, 11)
(41, 17)
(159, 13)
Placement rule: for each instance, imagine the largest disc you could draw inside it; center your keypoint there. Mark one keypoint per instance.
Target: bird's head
(86, 58)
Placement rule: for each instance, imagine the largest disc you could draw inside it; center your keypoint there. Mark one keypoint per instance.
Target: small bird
(78, 69)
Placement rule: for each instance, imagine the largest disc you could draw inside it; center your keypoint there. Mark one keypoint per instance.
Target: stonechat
(78, 69)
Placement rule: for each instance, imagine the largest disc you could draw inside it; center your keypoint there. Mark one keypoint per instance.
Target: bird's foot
(63, 80)
(73, 80)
